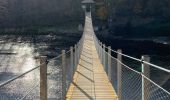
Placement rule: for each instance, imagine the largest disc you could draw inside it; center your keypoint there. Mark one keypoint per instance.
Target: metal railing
(51, 79)
(25, 85)
(129, 83)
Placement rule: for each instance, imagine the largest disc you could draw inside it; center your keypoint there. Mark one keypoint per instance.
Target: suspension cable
(140, 74)
(98, 45)
(10, 80)
(142, 61)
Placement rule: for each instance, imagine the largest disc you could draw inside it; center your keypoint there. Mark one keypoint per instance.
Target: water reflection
(16, 58)
(17, 55)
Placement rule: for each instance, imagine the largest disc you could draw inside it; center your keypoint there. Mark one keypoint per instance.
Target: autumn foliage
(102, 13)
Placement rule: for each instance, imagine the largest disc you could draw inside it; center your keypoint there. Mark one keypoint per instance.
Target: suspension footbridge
(88, 71)
(90, 80)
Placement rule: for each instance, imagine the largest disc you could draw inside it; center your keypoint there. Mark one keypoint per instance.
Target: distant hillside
(23, 13)
(139, 17)
(121, 17)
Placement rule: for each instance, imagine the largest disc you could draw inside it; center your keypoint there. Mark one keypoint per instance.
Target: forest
(119, 17)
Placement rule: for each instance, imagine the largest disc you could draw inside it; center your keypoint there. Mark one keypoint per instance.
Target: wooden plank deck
(90, 81)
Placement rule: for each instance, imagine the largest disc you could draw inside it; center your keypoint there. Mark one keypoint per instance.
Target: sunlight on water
(15, 59)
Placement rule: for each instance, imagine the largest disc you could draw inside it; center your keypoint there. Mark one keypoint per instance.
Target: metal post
(119, 74)
(115, 72)
(109, 63)
(79, 44)
(43, 78)
(104, 57)
(98, 47)
(78, 50)
(146, 72)
(63, 75)
(80, 47)
(100, 52)
(75, 55)
(71, 62)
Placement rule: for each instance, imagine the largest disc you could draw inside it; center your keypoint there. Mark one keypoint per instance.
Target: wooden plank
(90, 81)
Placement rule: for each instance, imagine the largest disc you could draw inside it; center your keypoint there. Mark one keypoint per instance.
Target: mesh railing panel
(106, 61)
(20, 87)
(160, 77)
(131, 84)
(32, 93)
(69, 70)
(54, 79)
(114, 72)
(154, 91)
(132, 81)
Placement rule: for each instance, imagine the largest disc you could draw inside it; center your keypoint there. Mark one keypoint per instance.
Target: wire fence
(54, 79)
(20, 88)
(141, 80)
(60, 71)
(133, 84)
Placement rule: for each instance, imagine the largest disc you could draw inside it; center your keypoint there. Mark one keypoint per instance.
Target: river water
(19, 53)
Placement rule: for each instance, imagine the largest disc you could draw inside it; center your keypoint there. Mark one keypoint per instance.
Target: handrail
(12, 79)
(99, 47)
(155, 84)
(142, 61)
(133, 58)
(141, 74)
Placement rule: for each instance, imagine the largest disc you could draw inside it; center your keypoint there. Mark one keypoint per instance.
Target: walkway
(90, 81)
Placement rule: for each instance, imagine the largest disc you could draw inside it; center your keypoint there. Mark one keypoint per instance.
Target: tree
(3, 12)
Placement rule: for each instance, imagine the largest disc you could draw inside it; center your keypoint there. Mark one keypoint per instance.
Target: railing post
(146, 72)
(98, 48)
(63, 75)
(96, 45)
(109, 63)
(71, 62)
(119, 74)
(104, 57)
(78, 50)
(100, 52)
(75, 55)
(43, 78)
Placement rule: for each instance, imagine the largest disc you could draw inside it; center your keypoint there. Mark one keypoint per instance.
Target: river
(19, 53)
